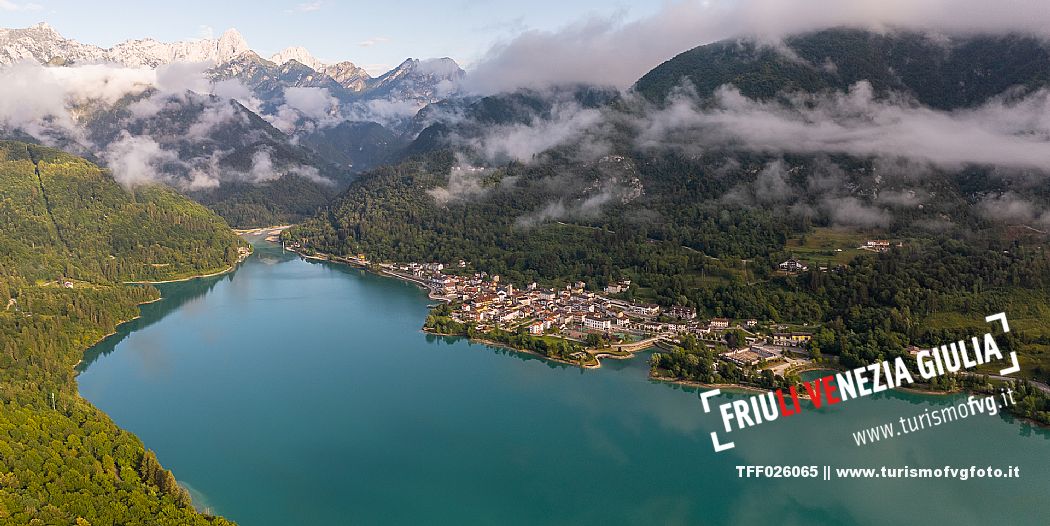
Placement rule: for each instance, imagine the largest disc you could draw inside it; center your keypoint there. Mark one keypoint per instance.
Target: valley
(197, 236)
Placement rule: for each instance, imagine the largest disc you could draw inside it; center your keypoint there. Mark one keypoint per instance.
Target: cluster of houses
(487, 302)
(795, 266)
(879, 245)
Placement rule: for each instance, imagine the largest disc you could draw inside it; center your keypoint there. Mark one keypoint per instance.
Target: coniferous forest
(71, 237)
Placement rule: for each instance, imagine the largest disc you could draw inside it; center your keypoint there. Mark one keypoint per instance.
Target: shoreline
(227, 270)
(261, 230)
(694, 383)
(198, 276)
(116, 329)
(689, 383)
(492, 343)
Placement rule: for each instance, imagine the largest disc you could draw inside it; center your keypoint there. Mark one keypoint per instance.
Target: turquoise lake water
(295, 392)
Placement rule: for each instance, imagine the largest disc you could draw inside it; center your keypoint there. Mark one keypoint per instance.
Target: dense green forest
(391, 214)
(71, 236)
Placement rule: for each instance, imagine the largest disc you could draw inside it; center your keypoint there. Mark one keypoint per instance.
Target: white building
(719, 323)
(597, 323)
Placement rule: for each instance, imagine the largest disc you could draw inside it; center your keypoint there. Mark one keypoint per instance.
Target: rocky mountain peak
(348, 75)
(299, 54)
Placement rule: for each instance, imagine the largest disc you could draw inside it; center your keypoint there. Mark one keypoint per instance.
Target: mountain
(268, 79)
(71, 236)
(348, 75)
(293, 90)
(356, 145)
(298, 54)
(425, 81)
(216, 150)
(43, 44)
(418, 81)
(229, 158)
(939, 71)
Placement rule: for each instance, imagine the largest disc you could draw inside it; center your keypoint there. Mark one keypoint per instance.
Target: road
(1038, 385)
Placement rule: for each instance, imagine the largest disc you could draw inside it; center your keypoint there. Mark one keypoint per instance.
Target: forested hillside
(682, 244)
(71, 235)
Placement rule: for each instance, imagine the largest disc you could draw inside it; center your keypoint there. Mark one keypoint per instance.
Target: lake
(300, 392)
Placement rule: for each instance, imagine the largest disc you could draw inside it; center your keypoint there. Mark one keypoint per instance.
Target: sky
(377, 35)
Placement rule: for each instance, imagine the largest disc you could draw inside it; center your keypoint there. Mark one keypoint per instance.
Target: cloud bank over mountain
(616, 52)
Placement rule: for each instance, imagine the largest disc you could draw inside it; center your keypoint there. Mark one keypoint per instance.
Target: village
(581, 315)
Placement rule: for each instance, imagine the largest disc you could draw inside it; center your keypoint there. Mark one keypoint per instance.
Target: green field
(828, 246)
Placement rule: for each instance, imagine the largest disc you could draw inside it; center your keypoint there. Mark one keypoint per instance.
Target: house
(750, 324)
(676, 327)
(597, 323)
(683, 313)
(748, 356)
(793, 265)
(441, 281)
(644, 309)
(537, 328)
(651, 327)
(719, 323)
(613, 289)
(793, 339)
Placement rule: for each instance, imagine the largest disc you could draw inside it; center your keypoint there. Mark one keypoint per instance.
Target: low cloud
(39, 100)
(465, 183)
(138, 160)
(1003, 132)
(567, 123)
(304, 109)
(850, 211)
(1011, 208)
(615, 181)
(586, 208)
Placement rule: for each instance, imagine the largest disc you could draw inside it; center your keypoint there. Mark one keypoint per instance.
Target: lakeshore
(241, 256)
(594, 355)
(287, 353)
